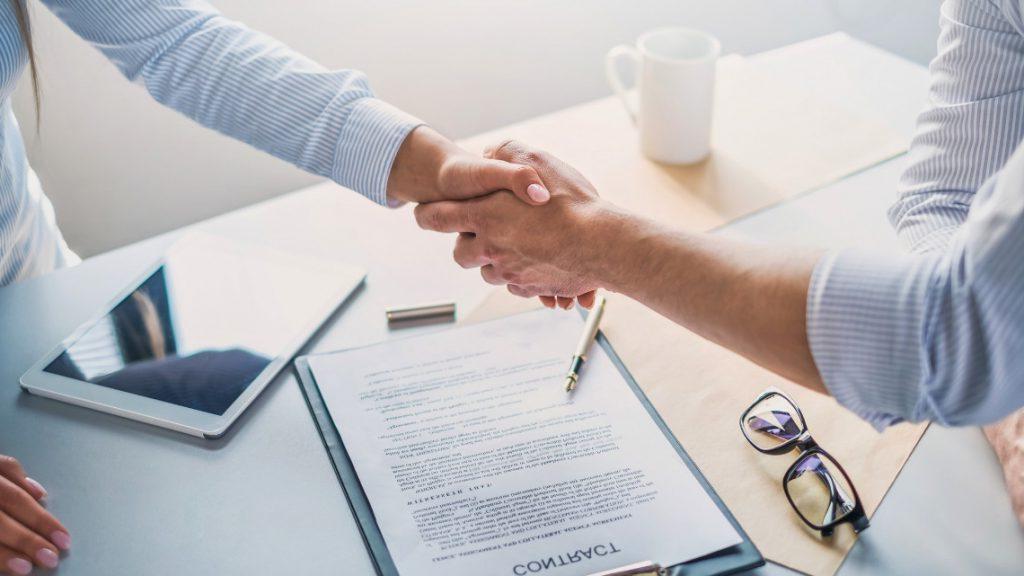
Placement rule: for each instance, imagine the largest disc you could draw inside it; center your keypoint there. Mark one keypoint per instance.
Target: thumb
(523, 181)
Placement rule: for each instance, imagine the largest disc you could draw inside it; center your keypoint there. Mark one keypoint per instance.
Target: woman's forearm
(750, 299)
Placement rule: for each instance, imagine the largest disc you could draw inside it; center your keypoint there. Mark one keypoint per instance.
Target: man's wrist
(612, 246)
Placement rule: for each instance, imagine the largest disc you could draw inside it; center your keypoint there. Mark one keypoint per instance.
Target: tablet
(192, 342)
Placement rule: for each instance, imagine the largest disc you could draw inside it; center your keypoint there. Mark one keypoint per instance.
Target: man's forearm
(750, 299)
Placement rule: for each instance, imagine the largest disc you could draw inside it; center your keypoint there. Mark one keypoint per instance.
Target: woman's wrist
(430, 168)
(416, 172)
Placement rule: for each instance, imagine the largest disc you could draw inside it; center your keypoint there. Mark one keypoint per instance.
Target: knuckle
(488, 252)
(532, 157)
(525, 173)
(505, 149)
(494, 254)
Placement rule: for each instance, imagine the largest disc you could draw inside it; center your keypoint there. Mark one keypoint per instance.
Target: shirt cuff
(367, 146)
(927, 221)
(865, 327)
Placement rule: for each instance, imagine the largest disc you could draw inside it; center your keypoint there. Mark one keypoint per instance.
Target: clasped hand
(547, 250)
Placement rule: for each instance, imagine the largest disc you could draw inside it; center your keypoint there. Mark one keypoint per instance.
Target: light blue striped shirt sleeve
(248, 86)
(939, 334)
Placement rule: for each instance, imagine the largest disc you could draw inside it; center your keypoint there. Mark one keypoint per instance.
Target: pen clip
(646, 568)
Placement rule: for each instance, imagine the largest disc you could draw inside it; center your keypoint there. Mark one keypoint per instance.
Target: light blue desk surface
(264, 499)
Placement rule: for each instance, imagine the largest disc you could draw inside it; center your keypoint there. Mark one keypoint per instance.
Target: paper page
(476, 461)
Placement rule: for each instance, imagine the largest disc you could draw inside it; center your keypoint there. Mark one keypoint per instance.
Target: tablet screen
(201, 328)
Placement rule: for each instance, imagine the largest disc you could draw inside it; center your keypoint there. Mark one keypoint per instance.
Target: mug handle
(611, 70)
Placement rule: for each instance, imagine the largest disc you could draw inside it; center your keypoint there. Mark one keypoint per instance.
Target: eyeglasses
(816, 485)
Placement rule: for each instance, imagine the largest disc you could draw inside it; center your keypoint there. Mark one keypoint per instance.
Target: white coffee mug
(675, 75)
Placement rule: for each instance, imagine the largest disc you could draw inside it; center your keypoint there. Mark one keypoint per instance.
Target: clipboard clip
(646, 568)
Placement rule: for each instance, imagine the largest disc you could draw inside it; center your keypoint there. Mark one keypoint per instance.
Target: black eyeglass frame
(803, 442)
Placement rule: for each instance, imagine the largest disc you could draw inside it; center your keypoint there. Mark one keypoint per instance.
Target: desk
(264, 500)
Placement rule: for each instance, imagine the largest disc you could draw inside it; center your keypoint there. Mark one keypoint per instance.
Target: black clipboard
(738, 558)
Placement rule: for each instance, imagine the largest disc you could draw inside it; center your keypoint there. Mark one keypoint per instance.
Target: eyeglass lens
(772, 422)
(819, 490)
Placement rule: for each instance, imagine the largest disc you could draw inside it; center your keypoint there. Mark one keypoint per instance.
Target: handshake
(536, 225)
(527, 220)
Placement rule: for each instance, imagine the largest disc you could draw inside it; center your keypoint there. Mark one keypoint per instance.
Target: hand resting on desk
(29, 535)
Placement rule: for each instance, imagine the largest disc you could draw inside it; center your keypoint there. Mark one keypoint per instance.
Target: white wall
(119, 167)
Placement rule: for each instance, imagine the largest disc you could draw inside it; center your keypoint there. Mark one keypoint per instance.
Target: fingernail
(572, 304)
(61, 539)
(47, 558)
(19, 566)
(538, 193)
(37, 486)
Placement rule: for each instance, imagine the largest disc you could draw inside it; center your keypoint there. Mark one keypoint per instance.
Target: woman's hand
(430, 168)
(29, 535)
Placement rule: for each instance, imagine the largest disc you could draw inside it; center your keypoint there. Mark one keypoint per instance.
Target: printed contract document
(476, 461)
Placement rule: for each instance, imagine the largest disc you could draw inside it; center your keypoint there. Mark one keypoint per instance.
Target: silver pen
(588, 336)
(440, 312)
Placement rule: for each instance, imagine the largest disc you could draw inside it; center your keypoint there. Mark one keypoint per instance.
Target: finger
(587, 299)
(446, 216)
(551, 169)
(524, 291)
(13, 563)
(523, 181)
(566, 303)
(20, 506)
(519, 153)
(548, 301)
(491, 275)
(518, 291)
(491, 149)
(11, 469)
(513, 151)
(17, 537)
(469, 252)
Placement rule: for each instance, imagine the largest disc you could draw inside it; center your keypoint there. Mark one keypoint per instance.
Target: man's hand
(535, 250)
(429, 168)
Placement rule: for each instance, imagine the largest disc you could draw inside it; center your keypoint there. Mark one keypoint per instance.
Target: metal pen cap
(436, 312)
